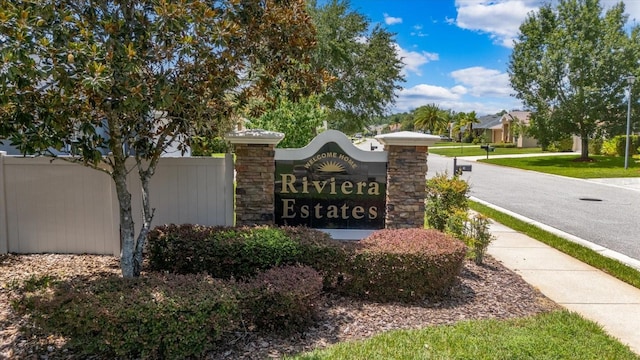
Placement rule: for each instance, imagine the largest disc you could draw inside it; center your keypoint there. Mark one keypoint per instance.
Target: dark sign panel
(330, 190)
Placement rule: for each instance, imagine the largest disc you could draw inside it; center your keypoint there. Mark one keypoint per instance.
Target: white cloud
(631, 8)
(390, 20)
(411, 98)
(453, 99)
(483, 82)
(413, 60)
(485, 91)
(500, 18)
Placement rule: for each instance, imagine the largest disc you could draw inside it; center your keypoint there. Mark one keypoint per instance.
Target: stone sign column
(406, 182)
(255, 171)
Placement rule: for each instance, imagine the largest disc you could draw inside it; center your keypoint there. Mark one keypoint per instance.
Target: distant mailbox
(487, 148)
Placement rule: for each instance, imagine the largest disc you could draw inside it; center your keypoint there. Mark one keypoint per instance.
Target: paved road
(605, 215)
(602, 214)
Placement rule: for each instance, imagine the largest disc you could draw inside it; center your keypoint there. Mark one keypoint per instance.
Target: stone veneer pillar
(255, 171)
(406, 177)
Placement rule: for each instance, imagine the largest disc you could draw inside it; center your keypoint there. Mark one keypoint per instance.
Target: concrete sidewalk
(578, 287)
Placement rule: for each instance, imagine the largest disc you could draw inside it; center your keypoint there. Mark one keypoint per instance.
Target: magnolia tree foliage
(130, 77)
(569, 65)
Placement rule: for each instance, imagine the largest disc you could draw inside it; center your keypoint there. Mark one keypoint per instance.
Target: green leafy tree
(569, 65)
(134, 76)
(363, 65)
(298, 121)
(430, 117)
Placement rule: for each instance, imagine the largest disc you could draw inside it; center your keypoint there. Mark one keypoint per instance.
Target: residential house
(509, 132)
(489, 129)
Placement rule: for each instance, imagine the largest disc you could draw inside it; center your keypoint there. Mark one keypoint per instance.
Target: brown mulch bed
(486, 291)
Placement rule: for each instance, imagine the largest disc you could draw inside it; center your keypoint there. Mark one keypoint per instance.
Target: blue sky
(456, 52)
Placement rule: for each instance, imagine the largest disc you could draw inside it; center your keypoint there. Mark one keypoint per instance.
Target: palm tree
(466, 121)
(430, 117)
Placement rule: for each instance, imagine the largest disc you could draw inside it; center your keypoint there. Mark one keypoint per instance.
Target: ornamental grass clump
(403, 265)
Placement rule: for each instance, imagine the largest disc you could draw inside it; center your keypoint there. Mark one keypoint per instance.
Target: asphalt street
(605, 215)
(602, 214)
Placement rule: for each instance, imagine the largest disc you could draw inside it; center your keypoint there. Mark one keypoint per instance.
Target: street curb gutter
(626, 260)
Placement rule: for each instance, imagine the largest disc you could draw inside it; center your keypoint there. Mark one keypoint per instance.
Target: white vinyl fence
(60, 207)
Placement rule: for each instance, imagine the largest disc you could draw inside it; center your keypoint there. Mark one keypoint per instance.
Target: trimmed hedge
(283, 299)
(404, 265)
(240, 253)
(223, 252)
(156, 316)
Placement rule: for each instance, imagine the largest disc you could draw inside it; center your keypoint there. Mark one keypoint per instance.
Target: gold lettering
(344, 209)
(304, 211)
(332, 212)
(361, 185)
(305, 185)
(357, 212)
(333, 186)
(317, 208)
(374, 188)
(319, 188)
(287, 205)
(346, 187)
(287, 182)
(373, 212)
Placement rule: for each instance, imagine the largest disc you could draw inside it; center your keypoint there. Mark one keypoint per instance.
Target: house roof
(488, 122)
(522, 116)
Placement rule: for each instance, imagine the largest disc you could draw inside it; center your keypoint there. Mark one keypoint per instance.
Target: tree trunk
(147, 216)
(584, 152)
(127, 230)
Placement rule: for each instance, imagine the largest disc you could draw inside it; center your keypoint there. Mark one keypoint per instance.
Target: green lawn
(450, 144)
(477, 151)
(556, 335)
(601, 167)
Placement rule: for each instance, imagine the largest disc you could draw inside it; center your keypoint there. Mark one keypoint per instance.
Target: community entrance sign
(330, 184)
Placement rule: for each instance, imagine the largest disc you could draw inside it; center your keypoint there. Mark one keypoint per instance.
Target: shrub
(560, 145)
(609, 147)
(621, 141)
(282, 299)
(473, 231)
(193, 249)
(404, 265)
(155, 316)
(223, 252)
(503, 145)
(444, 196)
(595, 146)
(319, 251)
(229, 253)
